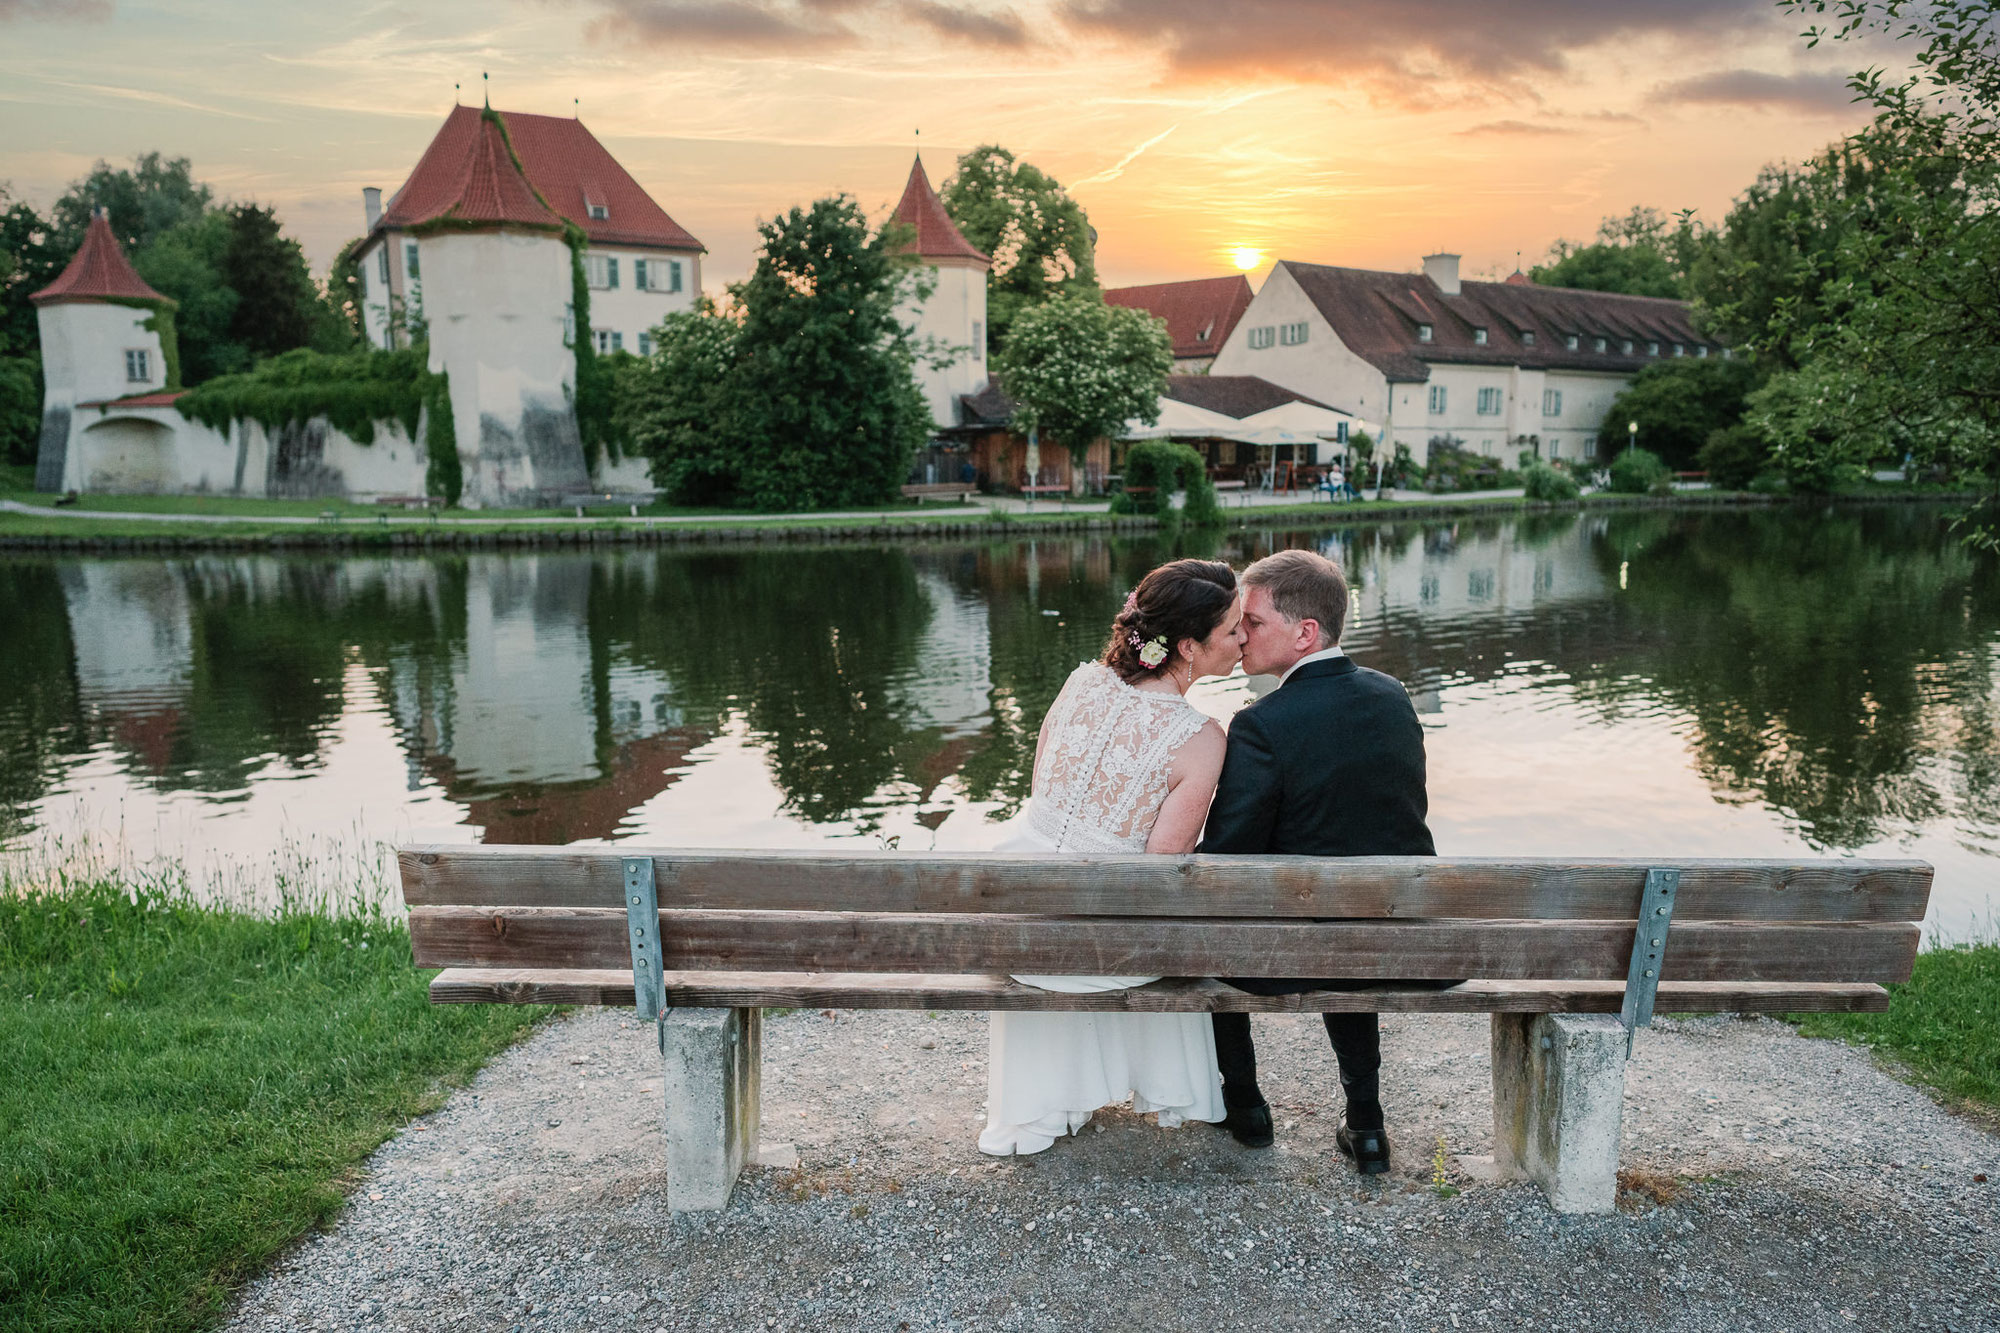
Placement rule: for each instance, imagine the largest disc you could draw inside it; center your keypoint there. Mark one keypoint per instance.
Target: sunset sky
(1356, 132)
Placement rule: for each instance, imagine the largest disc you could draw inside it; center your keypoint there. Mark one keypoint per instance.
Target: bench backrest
(1363, 917)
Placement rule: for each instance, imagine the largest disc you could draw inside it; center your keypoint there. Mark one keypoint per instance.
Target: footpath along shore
(1775, 1182)
(41, 526)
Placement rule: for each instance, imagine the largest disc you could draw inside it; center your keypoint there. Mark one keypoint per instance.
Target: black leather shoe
(1368, 1147)
(1249, 1125)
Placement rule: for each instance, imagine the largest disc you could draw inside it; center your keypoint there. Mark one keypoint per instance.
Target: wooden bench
(957, 492)
(702, 941)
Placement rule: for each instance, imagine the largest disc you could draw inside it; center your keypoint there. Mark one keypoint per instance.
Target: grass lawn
(1944, 1026)
(188, 1090)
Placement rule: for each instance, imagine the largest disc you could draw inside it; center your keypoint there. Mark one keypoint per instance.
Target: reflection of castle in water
(132, 633)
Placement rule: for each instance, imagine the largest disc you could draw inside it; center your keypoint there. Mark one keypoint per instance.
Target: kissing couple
(1331, 763)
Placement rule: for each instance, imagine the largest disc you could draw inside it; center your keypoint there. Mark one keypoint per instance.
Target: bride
(1124, 764)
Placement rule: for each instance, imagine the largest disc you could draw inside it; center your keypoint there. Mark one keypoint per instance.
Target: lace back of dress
(1102, 774)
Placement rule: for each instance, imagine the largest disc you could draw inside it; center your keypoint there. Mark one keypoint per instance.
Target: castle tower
(954, 314)
(96, 345)
(487, 272)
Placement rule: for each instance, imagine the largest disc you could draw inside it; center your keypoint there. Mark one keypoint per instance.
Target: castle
(478, 251)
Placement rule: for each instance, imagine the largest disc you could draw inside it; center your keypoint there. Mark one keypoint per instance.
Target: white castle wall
(83, 351)
(496, 303)
(955, 316)
(155, 450)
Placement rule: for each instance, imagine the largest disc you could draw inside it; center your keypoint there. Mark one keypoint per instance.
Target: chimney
(371, 205)
(1443, 270)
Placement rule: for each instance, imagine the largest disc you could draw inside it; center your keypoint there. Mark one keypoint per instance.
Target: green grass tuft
(189, 1089)
(1944, 1025)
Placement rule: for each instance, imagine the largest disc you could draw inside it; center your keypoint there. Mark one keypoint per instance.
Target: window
(1569, 341)
(1201, 336)
(643, 276)
(1700, 351)
(599, 212)
(1262, 336)
(978, 341)
(1626, 347)
(1423, 333)
(382, 265)
(1489, 402)
(1725, 354)
(1291, 335)
(410, 259)
(1599, 345)
(645, 344)
(1437, 399)
(1479, 337)
(1680, 349)
(1652, 349)
(1552, 402)
(1527, 338)
(609, 341)
(602, 271)
(1555, 448)
(139, 365)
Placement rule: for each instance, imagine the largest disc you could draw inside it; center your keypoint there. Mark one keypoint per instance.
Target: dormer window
(1599, 345)
(1479, 337)
(598, 212)
(1423, 333)
(1527, 339)
(1701, 351)
(1206, 329)
(1570, 341)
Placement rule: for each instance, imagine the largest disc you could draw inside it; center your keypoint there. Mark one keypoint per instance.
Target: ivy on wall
(159, 321)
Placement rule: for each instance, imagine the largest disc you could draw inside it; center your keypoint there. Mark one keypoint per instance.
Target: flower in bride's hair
(1134, 639)
(1131, 602)
(1154, 653)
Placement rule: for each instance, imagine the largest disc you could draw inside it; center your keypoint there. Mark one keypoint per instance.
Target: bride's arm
(1190, 787)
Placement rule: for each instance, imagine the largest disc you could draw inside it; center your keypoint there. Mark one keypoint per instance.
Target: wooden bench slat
(1200, 886)
(1126, 946)
(734, 990)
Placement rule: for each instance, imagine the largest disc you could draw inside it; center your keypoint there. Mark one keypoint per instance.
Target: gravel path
(1805, 1190)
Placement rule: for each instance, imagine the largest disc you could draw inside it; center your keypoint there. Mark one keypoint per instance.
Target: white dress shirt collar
(1323, 655)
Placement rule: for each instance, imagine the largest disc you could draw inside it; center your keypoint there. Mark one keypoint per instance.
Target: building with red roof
(1199, 314)
(1427, 358)
(510, 170)
(98, 272)
(952, 317)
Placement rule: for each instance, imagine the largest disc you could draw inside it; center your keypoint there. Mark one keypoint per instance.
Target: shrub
(1167, 467)
(1733, 457)
(1546, 483)
(1637, 471)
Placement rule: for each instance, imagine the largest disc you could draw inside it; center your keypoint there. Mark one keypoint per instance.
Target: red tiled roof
(1236, 396)
(938, 237)
(98, 270)
(163, 398)
(565, 165)
(1376, 315)
(1202, 305)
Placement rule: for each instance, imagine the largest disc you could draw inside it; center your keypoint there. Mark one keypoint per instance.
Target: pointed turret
(938, 238)
(97, 271)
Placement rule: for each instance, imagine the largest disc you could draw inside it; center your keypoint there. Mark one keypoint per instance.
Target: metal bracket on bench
(642, 911)
(1649, 947)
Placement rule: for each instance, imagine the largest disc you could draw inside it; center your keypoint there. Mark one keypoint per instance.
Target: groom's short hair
(1304, 585)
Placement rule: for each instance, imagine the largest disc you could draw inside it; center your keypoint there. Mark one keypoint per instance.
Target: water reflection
(1722, 683)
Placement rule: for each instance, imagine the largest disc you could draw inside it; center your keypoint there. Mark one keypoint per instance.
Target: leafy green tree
(1640, 254)
(1678, 403)
(1079, 369)
(143, 203)
(277, 306)
(1734, 456)
(677, 407)
(1637, 471)
(1039, 238)
(20, 408)
(189, 265)
(29, 261)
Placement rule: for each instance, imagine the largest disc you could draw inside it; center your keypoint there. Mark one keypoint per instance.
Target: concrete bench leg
(714, 1068)
(1558, 1101)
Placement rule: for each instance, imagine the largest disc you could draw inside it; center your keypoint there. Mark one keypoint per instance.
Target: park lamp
(1631, 435)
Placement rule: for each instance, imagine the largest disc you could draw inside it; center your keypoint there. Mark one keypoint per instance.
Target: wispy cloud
(1513, 129)
(1117, 169)
(1821, 92)
(154, 98)
(54, 11)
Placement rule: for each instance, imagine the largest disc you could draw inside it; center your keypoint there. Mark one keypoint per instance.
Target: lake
(1768, 682)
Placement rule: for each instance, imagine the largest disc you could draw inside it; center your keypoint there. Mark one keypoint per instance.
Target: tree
(1640, 254)
(189, 265)
(808, 398)
(1039, 238)
(152, 198)
(1079, 369)
(277, 306)
(29, 261)
(20, 408)
(1679, 403)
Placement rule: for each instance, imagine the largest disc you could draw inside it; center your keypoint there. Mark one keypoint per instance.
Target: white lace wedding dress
(1099, 782)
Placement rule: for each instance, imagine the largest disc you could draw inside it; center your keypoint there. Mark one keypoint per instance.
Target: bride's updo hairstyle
(1184, 599)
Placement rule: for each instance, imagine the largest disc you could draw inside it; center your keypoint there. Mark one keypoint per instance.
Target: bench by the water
(954, 492)
(1569, 957)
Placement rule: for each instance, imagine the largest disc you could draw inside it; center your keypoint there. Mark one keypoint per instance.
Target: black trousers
(1356, 1038)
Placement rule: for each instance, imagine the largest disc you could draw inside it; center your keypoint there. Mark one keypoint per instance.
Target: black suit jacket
(1329, 764)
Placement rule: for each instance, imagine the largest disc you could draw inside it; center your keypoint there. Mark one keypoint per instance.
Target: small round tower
(954, 314)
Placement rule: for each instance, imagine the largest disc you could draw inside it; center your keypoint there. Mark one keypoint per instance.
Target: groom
(1331, 763)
